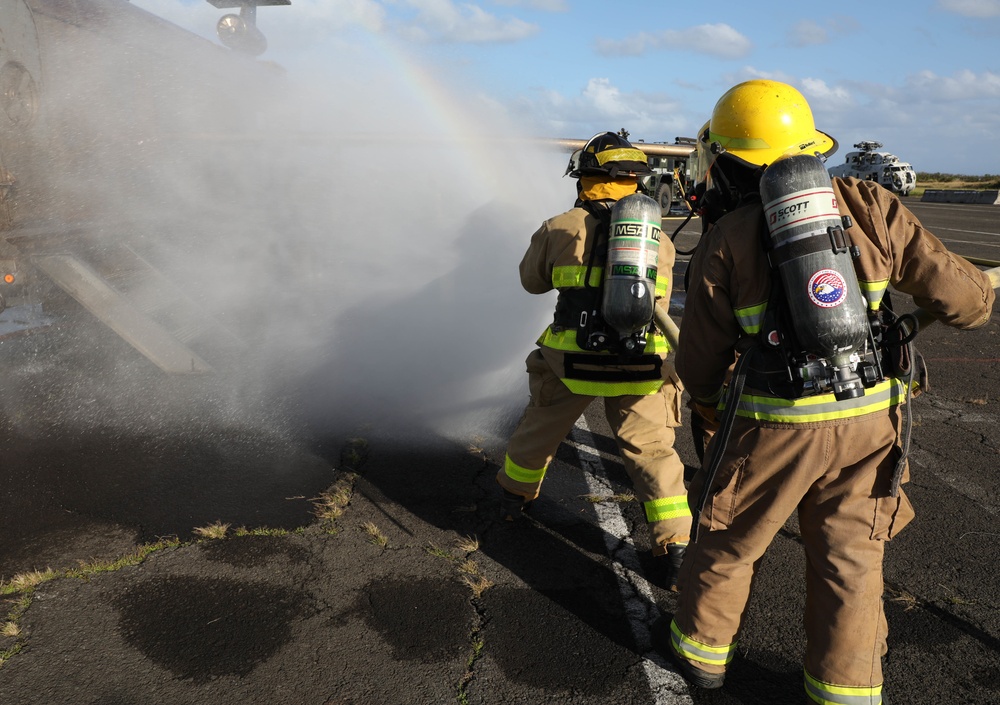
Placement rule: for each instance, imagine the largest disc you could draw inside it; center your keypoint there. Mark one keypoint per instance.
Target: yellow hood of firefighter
(596, 188)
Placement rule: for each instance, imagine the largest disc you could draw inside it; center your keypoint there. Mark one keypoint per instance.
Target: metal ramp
(138, 303)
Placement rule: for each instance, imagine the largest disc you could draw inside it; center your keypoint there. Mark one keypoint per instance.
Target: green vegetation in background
(936, 180)
(986, 181)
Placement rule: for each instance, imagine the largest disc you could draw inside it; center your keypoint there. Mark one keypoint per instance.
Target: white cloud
(750, 72)
(917, 118)
(323, 15)
(544, 5)
(816, 89)
(600, 106)
(712, 39)
(446, 21)
(971, 8)
(965, 85)
(806, 33)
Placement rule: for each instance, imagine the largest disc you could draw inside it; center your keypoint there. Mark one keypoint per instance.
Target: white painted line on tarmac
(966, 242)
(668, 687)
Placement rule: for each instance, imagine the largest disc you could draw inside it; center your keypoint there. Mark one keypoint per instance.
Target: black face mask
(734, 183)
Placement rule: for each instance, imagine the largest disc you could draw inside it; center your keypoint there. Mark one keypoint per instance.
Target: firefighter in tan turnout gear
(821, 436)
(825, 438)
(581, 357)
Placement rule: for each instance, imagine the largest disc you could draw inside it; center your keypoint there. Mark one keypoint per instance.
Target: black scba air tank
(813, 258)
(630, 270)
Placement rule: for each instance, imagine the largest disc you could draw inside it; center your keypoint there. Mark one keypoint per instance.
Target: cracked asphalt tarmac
(416, 593)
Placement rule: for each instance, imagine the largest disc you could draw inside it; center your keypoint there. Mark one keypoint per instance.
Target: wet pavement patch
(254, 550)
(549, 647)
(422, 620)
(203, 628)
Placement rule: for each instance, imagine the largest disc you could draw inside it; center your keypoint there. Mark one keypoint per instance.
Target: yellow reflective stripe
(521, 474)
(613, 389)
(667, 508)
(822, 407)
(696, 651)
(829, 694)
(750, 317)
(874, 291)
(738, 142)
(662, 284)
(621, 154)
(565, 340)
(574, 276)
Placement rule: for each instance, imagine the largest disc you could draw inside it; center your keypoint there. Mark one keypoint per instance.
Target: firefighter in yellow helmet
(837, 458)
(640, 392)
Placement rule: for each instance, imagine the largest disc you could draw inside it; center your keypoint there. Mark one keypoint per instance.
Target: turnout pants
(838, 477)
(644, 430)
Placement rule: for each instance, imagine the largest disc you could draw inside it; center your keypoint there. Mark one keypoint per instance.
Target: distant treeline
(986, 181)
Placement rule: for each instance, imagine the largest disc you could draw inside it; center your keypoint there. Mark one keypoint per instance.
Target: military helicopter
(881, 167)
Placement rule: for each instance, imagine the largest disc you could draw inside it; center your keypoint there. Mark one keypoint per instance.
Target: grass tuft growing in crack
(265, 531)
(463, 683)
(19, 590)
(907, 600)
(332, 504)
(478, 584)
(24, 585)
(439, 552)
(375, 534)
(129, 559)
(470, 573)
(27, 581)
(216, 530)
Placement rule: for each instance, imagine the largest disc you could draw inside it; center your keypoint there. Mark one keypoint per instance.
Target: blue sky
(922, 77)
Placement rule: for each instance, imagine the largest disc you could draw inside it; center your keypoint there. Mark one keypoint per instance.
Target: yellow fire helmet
(758, 121)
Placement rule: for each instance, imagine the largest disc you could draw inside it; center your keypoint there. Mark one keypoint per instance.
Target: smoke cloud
(351, 231)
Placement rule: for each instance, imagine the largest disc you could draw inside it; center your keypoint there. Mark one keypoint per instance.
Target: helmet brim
(758, 154)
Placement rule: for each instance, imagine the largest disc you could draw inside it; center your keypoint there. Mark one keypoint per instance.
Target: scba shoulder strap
(578, 308)
(775, 341)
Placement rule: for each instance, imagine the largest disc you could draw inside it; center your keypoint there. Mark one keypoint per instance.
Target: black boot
(512, 506)
(660, 632)
(674, 558)
(694, 675)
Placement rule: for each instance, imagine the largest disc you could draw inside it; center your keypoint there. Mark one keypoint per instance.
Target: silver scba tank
(630, 271)
(813, 258)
